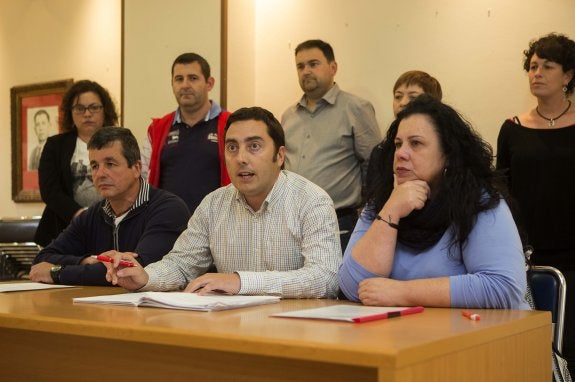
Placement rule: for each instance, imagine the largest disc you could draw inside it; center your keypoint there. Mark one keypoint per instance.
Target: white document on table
(351, 313)
(17, 287)
(180, 300)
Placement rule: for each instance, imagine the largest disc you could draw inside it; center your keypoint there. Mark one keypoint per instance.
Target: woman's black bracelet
(389, 223)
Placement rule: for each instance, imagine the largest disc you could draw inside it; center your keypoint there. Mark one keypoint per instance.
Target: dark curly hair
(470, 183)
(79, 88)
(553, 47)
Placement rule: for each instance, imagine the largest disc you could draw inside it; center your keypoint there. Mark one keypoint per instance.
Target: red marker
(471, 316)
(108, 259)
(381, 316)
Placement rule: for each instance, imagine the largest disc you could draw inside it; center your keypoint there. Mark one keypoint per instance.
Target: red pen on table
(471, 316)
(108, 259)
(380, 316)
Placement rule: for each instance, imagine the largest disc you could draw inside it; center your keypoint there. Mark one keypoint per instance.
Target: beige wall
(474, 48)
(47, 40)
(241, 42)
(156, 32)
(82, 39)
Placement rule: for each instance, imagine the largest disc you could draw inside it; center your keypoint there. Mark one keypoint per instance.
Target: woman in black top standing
(65, 180)
(536, 151)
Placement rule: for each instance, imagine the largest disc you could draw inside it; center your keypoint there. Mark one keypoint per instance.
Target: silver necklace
(551, 121)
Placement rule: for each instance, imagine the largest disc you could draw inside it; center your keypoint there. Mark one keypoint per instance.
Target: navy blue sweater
(149, 230)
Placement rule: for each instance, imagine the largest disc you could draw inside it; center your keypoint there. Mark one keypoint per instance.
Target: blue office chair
(549, 289)
(548, 292)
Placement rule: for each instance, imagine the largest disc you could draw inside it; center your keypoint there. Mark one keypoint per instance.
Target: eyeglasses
(81, 109)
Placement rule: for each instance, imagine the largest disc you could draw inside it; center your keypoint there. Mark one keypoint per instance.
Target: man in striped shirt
(271, 232)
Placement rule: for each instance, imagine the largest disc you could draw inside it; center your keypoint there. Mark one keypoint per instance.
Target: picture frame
(35, 115)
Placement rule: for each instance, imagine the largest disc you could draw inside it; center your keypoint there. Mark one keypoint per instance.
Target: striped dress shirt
(290, 247)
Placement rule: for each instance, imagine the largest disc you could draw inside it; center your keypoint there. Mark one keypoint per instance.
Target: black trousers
(347, 219)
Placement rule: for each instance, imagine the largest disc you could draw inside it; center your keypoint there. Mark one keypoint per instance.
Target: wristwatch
(55, 273)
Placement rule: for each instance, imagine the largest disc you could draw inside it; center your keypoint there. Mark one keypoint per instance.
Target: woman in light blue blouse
(436, 230)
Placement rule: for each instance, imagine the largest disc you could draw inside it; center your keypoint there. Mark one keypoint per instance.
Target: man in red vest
(184, 150)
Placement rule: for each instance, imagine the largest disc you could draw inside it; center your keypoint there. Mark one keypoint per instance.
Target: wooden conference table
(44, 336)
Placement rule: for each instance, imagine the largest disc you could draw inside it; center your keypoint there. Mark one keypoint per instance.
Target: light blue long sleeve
(490, 273)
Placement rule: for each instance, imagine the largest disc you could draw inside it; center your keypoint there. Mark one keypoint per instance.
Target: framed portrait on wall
(35, 116)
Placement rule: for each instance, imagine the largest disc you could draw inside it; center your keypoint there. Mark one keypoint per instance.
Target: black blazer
(56, 183)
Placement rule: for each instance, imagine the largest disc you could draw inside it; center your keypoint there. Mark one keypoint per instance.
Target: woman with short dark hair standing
(536, 150)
